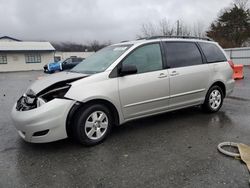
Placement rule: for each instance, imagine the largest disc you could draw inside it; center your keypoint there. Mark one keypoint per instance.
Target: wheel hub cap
(96, 125)
(215, 99)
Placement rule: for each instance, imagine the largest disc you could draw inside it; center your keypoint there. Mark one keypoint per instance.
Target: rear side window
(182, 54)
(212, 52)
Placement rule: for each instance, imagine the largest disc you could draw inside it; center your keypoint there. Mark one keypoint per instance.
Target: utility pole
(178, 28)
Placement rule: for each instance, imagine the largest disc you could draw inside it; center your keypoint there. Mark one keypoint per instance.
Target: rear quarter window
(212, 52)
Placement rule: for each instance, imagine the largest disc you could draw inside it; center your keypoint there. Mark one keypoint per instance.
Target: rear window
(212, 52)
(182, 54)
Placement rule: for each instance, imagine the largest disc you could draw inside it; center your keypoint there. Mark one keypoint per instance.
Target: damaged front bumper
(45, 123)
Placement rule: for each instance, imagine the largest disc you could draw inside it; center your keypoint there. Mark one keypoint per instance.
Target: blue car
(66, 64)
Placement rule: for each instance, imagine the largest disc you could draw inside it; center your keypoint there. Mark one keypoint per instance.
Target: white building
(16, 55)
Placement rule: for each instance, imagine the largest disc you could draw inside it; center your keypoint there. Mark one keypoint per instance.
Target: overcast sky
(86, 20)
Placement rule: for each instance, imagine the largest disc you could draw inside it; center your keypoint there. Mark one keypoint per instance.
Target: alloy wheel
(96, 125)
(215, 99)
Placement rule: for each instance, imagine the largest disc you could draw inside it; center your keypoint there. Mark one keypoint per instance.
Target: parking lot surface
(176, 149)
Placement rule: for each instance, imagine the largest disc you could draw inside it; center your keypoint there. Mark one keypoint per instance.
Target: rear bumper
(230, 87)
(43, 124)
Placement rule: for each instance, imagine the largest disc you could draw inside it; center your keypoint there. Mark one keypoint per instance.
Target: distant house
(8, 39)
(17, 55)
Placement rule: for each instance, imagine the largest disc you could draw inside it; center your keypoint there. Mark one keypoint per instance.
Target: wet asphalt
(176, 149)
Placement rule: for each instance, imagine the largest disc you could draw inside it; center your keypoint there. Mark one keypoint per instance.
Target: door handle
(162, 75)
(174, 73)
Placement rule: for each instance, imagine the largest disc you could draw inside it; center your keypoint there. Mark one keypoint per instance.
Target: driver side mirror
(127, 70)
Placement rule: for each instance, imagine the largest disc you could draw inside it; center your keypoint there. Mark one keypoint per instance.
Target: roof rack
(142, 38)
(182, 37)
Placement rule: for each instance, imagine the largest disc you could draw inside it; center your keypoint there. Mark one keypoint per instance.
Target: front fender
(96, 87)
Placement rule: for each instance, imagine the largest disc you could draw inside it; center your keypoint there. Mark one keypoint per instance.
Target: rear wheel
(93, 124)
(214, 100)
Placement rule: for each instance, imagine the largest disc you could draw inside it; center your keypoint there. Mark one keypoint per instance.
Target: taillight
(231, 63)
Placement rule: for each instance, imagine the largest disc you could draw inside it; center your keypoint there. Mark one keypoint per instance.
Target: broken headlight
(22, 104)
(28, 103)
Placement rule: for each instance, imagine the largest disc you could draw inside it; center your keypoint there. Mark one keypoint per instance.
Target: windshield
(101, 60)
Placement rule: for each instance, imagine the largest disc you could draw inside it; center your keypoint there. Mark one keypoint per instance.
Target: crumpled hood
(47, 81)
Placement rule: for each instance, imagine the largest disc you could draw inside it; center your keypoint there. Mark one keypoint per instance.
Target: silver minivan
(123, 82)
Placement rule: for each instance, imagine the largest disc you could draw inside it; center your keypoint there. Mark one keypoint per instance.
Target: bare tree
(184, 29)
(147, 30)
(166, 28)
(163, 27)
(198, 29)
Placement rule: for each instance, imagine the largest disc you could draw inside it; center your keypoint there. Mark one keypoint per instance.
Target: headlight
(26, 103)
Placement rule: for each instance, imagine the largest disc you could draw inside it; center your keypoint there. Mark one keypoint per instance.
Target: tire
(213, 100)
(92, 125)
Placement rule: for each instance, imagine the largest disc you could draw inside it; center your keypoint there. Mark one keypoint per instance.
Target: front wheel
(93, 124)
(214, 100)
